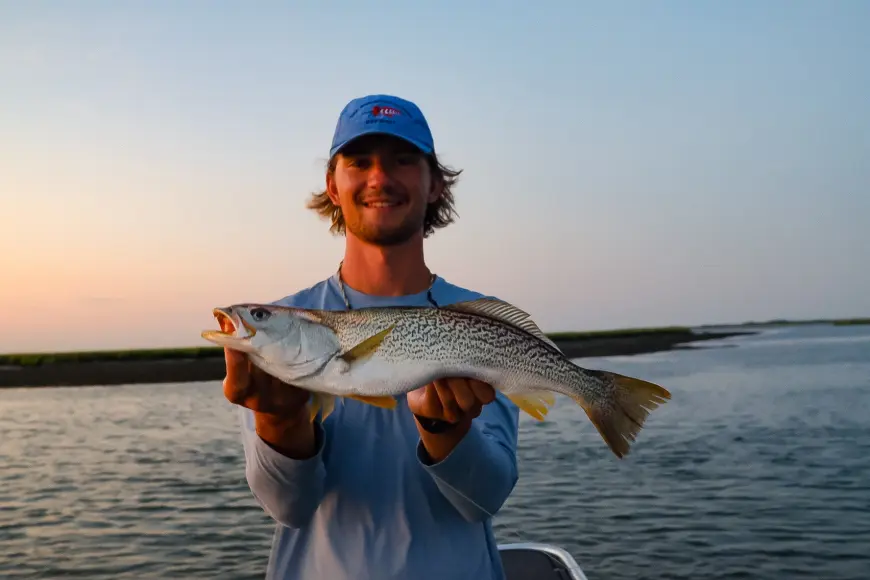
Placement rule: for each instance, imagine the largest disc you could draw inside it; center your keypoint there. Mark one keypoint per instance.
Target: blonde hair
(440, 213)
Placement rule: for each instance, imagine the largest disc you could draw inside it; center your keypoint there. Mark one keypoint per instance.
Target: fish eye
(260, 314)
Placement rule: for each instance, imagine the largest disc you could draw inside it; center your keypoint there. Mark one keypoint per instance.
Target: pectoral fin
(382, 402)
(535, 404)
(361, 351)
(367, 347)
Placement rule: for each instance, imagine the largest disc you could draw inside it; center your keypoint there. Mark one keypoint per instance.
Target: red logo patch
(385, 111)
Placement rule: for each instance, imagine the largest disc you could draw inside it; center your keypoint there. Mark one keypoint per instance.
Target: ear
(331, 188)
(436, 188)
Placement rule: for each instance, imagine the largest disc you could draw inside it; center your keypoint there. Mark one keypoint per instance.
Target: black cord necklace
(432, 278)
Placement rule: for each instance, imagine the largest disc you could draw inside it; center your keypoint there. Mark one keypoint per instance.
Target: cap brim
(380, 131)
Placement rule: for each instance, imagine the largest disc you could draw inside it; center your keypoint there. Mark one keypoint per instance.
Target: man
(373, 493)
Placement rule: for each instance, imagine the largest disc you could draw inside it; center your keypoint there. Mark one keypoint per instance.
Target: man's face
(383, 186)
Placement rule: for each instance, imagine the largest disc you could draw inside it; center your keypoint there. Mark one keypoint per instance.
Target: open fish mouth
(236, 323)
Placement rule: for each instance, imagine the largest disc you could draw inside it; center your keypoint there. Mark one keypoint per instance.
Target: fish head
(252, 327)
(291, 335)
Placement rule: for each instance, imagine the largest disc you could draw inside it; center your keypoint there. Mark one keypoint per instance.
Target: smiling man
(369, 492)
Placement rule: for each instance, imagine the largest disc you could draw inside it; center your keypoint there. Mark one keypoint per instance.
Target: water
(758, 468)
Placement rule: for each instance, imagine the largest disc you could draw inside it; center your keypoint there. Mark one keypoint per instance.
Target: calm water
(758, 468)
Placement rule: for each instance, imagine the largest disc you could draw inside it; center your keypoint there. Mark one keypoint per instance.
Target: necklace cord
(429, 297)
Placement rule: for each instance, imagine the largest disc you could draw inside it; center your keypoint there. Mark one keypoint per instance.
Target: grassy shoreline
(206, 363)
(786, 322)
(209, 352)
(194, 364)
(206, 352)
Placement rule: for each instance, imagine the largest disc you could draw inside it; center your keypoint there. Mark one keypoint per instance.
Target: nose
(378, 175)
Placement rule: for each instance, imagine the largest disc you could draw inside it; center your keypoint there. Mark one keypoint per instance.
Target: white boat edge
(561, 555)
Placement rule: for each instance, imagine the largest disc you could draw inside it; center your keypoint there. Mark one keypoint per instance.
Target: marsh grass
(36, 359)
(205, 352)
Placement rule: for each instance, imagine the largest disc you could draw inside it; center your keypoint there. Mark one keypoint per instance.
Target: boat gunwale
(560, 554)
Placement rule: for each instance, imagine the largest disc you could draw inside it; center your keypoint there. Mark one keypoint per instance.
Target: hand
(280, 417)
(251, 387)
(453, 400)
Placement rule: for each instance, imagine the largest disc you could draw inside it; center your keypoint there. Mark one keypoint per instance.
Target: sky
(625, 164)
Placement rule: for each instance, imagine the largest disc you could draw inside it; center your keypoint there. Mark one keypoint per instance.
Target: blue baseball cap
(382, 114)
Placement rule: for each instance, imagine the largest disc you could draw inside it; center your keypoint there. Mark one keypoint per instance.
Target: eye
(260, 314)
(360, 162)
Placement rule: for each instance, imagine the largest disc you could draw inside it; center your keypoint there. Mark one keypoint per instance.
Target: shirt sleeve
(289, 490)
(481, 471)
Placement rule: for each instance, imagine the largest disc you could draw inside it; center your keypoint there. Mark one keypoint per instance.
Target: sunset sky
(626, 164)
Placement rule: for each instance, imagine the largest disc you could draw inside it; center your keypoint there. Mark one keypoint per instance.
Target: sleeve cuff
(288, 469)
(465, 464)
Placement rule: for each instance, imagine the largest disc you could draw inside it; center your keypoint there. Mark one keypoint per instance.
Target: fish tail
(620, 414)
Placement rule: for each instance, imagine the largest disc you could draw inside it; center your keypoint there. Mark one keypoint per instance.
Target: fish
(375, 354)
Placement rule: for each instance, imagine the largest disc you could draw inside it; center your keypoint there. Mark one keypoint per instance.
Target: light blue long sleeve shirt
(371, 505)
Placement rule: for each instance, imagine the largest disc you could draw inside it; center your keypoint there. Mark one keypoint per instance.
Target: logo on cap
(378, 110)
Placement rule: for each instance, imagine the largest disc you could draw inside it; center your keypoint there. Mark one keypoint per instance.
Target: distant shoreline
(786, 322)
(207, 364)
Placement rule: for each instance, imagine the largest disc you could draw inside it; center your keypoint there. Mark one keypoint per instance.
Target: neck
(385, 271)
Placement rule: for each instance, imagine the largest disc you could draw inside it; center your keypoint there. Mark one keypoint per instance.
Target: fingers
(465, 397)
(433, 403)
(459, 397)
(482, 391)
(251, 387)
(426, 402)
(444, 396)
(451, 399)
(237, 365)
(238, 379)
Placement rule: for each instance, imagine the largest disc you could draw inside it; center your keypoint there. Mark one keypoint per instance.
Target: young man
(373, 493)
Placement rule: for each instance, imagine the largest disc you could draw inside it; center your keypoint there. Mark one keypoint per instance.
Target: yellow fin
(368, 346)
(313, 407)
(503, 312)
(535, 404)
(382, 402)
(327, 405)
(322, 402)
(621, 418)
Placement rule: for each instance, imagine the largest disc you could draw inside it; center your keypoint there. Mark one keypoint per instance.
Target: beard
(383, 235)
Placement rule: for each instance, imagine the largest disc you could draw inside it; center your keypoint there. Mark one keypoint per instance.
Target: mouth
(230, 325)
(382, 203)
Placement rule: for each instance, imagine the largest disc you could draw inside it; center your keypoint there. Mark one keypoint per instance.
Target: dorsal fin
(504, 312)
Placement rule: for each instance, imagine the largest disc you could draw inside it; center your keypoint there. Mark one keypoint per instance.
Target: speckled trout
(375, 354)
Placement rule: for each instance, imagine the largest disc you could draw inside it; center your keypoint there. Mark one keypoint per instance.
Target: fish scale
(375, 354)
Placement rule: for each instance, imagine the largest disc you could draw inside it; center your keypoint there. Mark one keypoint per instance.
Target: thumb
(238, 377)
(237, 362)
(237, 366)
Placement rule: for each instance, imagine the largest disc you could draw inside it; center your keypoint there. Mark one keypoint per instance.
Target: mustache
(387, 194)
